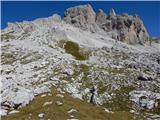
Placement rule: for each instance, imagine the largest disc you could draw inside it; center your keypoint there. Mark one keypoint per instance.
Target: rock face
(144, 99)
(100, 18)
(129, 29)
(112, 13)
(82, 16)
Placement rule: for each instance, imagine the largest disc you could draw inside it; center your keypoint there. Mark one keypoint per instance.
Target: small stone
(72, 110)
(59, 95)
(68, 72)
(30, 114)
(72, 119)
(44, 95)
(60, 90)
(64, 81)
(107, 110)
(59, 103)
(132, 111)
(13, 111)
(41, 115)
(71, 116)
(47, 103)
(49, 94)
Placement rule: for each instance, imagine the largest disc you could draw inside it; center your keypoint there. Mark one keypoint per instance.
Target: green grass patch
(74, 49)
(8, 58)
(84, 68)
(31, 57)
(85, 110)
(101, 88)
(121, 101)
(120, 55)
(116, 71)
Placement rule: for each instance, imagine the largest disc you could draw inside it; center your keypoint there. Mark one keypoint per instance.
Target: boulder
(17, 99)
(40, 90)
(144, 99)
(145, 77)
(22, 98)
(146, 103)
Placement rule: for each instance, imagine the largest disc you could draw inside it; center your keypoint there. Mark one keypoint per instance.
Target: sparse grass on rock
(7, 36)
(74, 49)
(121, 102)
(8, 58)
(85, 111)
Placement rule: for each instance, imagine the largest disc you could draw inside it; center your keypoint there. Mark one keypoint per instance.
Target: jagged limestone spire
(112, 12)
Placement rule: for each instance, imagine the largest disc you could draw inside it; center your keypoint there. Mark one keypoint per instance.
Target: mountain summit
(129, 29)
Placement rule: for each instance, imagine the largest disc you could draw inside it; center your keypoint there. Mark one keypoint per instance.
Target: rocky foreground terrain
(87, 66)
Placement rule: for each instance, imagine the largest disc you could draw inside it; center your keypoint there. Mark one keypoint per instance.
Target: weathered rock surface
(100, 18)
(82, 16)
(145, 99)
(129, 29)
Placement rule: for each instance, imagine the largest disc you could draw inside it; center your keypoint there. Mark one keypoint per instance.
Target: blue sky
(19, 11)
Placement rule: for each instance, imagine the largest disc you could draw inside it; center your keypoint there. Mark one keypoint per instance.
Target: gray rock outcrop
(100, 18)
(126, 28)
(82, 16)
(112, 13)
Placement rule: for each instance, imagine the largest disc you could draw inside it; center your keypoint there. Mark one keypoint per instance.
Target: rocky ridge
(127, 28)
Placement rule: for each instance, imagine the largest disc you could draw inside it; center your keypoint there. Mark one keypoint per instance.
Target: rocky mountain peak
(129, 29)
(82, 16)
(112, 13)
(100, 17)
